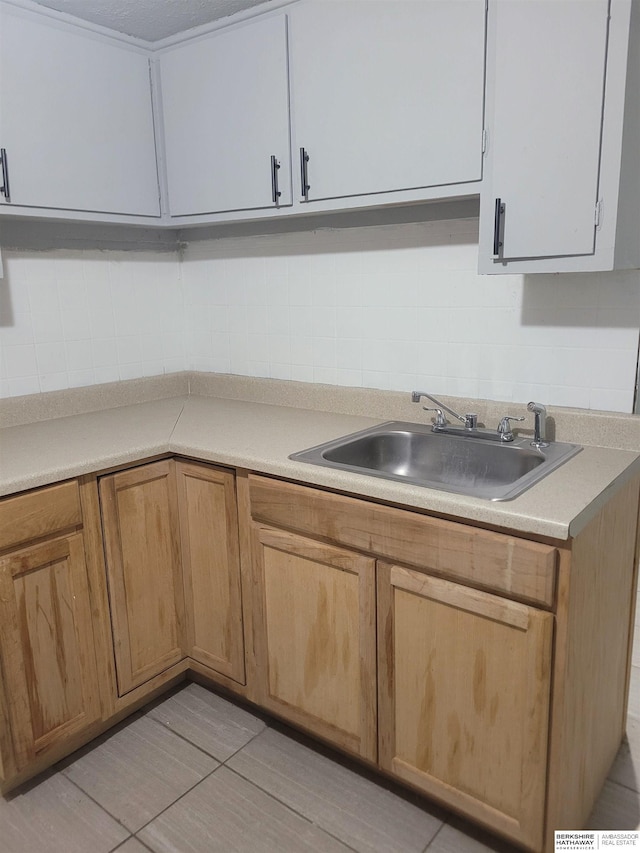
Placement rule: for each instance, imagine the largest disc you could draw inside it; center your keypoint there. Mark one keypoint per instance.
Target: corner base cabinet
(171, 544)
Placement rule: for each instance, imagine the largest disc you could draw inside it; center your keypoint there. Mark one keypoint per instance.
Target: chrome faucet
(503, 433)
(539, 424)
(470, 420)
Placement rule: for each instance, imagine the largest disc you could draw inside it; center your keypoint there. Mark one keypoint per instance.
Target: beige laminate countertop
(260, 436)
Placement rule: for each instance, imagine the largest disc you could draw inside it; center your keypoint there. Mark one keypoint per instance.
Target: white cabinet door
(225, 101)
(545, 83)
(76, 119)
(387, 95)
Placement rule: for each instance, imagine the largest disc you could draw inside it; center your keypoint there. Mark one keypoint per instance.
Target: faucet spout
(470, 420)
(539, 424)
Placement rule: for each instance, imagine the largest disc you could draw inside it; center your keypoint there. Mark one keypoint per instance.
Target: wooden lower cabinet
(464, 684)
(315, 638)
(140, 530)
(170, 531)
(47, 650)
(461, 660)
(211, 568)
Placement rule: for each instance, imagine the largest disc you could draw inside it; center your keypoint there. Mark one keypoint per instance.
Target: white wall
(392, 307)
(72, 318)
(401, 307)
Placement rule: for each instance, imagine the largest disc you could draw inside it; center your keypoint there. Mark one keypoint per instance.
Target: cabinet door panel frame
(131, 674)
(86, 140)
(221, 129)
(363, 740)
(27, 634)
(363, 137)
(544, 118)
(534, 630)
(211, 568)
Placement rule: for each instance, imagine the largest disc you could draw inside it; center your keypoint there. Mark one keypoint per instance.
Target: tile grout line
(253, 782)
(621, 785)
(291, 809)
(100, 806)
(186, 740)
(133, 833)
(436, 834)
(121, 845)
(271, 796)
(249, 781)
(211, 772)
(282, 802)
(173, 802)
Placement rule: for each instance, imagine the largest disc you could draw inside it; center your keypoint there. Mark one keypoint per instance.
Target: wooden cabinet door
(545, 86)
(315, 637)
(387, 95)
(47, 646)
(75, 118)
(464, 679)
(211, 568)
(140, 529)
(225, 103)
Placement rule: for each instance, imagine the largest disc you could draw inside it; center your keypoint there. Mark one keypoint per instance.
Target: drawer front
(493, 561)
(40, 513)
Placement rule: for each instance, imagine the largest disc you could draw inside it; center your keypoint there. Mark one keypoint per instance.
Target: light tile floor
(196, 773)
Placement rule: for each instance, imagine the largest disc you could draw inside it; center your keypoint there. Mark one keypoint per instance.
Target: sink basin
(464, 463)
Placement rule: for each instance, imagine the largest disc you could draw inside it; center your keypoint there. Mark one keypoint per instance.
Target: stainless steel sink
(464, 463)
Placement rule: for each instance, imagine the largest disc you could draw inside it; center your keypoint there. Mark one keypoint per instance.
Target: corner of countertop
(32, 408)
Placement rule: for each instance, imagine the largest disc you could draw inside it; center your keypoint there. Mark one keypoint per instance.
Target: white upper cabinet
(76, 120)
(225, 101)
(556, 80)
(387, 96)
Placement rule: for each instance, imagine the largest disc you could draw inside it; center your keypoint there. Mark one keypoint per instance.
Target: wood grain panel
(211, 568)
(47, 645)
(249, 577)
(494, 561)
(595, 608)
(7, 761)
(144, 573)
(464, 698)
(39, 513)
(316, 624)
(98, 594)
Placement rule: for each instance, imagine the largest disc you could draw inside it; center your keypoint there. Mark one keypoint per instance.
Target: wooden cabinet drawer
(493, 561)
(39, 513)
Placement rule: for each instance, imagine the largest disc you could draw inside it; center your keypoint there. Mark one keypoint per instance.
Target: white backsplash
(394, 307)
(73, 318)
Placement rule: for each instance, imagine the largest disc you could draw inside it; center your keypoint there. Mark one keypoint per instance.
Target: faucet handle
(471, 420)
(504, 427)
(440, 418)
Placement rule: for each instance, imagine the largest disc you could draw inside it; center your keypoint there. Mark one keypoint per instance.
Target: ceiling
(150, 19)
